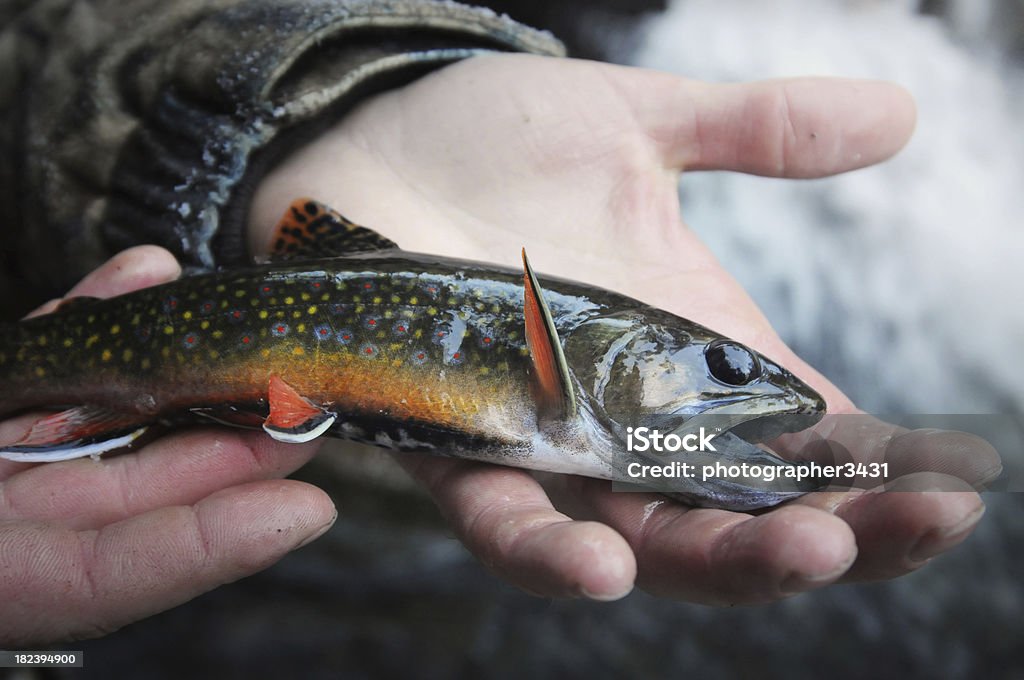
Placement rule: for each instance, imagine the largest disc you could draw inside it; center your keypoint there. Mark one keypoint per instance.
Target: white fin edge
(301, 437)
(71, 452)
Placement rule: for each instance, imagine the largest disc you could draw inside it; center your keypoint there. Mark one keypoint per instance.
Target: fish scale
(379, 345)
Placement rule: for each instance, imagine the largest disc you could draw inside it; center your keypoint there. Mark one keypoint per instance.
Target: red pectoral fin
(293, 418)
(77, 432)
(554, 392)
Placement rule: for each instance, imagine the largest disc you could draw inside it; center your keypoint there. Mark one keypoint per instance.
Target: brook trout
(406, 351)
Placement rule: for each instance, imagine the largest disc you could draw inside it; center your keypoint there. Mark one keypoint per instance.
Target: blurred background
(902, 283)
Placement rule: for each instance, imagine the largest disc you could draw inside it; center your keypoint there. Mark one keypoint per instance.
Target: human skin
(579, 162)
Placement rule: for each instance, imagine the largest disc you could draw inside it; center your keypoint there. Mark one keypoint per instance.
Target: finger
(715, 556)
(506, 520)
(902, 527)
(60, 584)
(862, 438)
(129, 270)
(175, 470)
(802, 127)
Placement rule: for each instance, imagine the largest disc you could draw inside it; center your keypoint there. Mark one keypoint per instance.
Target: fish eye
(731, 363)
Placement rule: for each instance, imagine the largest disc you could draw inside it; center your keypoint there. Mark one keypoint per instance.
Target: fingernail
(936, 541)
(606, 597)
(318, 533)
(798, 583)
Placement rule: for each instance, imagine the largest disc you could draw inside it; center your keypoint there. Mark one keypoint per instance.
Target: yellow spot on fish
(91, 318)
(280, 314)
(204, 325)
(214, 354)
(325, 297)
(396, 363)
(414, 300)
(221, 288)
(359, 309)
(239, 293)
(42, 341)
(311, 310)
(298, 351)
(263, 314)
(68, 342)
(432, 311)
(146, 363)
(395, 299)
(301, 328)
(186, 316)
(305, 297)
(289, 300)
(91, 340)
(524, 351)
(388, 314)
(107, 355)
(265, 354)
(127, 355)
(168, 330)
(217, 335)
(296, 314)
(484, 370)
(40, 371)
(165, 352)
(136, 319)
(377, 300)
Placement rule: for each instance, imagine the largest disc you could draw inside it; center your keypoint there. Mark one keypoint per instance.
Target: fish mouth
(748, 475)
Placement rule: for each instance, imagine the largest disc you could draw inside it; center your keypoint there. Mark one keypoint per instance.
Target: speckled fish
(407, 351)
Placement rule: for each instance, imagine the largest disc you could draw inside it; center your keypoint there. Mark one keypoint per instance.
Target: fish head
(646, 367)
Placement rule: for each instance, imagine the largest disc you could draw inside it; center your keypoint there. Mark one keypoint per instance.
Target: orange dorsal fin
(293, 418)
(553, 387)
(310, 229)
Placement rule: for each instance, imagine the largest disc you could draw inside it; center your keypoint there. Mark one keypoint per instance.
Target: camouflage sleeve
(147, 121)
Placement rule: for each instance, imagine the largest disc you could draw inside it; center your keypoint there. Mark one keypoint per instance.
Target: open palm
(579, 162)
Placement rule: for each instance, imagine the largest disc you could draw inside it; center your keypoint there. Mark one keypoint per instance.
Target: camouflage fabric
(147, 121)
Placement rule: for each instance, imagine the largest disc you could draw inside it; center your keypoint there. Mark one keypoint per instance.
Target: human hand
(89, 546)
(579, 162)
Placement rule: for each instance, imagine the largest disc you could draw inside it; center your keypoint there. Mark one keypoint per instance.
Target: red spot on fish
(457, 355)
(487, 341)
(246, 340)
(368, 350)
(367, 286)
(421, 355)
